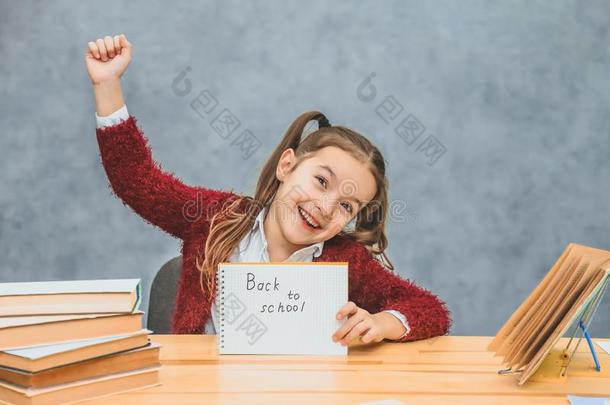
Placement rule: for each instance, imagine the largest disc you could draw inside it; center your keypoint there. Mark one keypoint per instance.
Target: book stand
(554, 368)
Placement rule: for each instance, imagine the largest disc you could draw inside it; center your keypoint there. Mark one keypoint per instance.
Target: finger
(102, 48)
(372, 335)
(109, 45)
(356, 331)
(93, 49)
(125, 46)
(117, 44)
(347, 326)
(347, 310)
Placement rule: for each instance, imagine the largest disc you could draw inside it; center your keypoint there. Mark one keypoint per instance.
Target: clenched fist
(107, 58)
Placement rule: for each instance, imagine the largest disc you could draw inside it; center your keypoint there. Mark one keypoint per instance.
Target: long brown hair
(237, 216)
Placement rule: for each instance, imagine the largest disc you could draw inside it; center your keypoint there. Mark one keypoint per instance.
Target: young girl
(308, 194)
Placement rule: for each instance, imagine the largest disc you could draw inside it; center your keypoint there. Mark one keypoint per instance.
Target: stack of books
(68, 341)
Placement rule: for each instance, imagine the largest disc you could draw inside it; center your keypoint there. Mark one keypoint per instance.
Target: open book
(571, 289)
(281, 308)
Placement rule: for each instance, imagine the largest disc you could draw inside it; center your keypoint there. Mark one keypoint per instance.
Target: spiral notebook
(281, 308)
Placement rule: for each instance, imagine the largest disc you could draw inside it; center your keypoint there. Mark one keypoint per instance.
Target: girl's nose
(327, 205)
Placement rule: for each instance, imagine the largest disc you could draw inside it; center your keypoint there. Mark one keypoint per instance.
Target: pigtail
(268, 183)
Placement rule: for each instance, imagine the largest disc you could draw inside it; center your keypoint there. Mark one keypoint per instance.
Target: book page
(506, 336)
(531, 319)
(69, 287)
(37, 352)
(585, 299)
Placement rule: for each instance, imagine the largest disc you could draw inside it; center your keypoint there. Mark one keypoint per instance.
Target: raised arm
(375, 288)
(157, 195)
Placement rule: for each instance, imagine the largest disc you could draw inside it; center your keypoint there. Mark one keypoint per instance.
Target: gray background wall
(517, 95)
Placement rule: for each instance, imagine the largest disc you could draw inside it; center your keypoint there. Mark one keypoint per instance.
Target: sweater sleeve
(158, 196)
(377, 289)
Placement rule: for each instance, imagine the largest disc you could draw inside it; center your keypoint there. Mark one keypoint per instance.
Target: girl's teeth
(307, 218)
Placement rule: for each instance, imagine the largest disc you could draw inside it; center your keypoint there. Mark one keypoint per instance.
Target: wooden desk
(442, 370)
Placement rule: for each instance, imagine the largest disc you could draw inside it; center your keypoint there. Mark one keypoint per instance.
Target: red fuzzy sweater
(165, 201)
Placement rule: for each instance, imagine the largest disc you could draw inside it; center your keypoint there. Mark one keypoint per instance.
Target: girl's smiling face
(317, 199)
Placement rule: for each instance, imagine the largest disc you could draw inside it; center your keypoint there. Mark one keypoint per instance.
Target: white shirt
(253, 247)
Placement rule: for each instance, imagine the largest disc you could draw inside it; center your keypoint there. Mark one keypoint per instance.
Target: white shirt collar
(316, 248)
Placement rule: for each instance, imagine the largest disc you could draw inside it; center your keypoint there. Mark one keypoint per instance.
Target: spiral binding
(220, 281)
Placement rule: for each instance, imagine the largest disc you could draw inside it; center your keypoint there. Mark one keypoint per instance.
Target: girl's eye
(349, 207)
(321, 180)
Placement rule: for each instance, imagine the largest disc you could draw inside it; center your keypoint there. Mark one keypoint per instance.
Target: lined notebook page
(281, 308)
